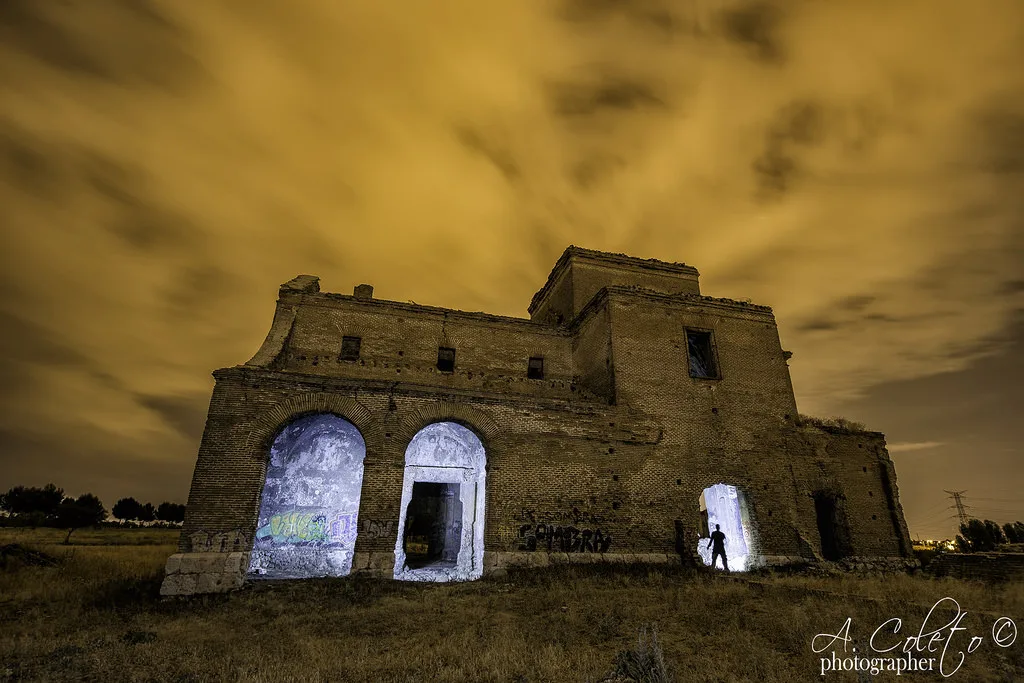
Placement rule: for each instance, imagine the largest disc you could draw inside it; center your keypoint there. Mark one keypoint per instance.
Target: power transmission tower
(961, 510)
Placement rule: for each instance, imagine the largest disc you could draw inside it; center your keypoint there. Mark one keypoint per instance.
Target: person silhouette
(718, 541)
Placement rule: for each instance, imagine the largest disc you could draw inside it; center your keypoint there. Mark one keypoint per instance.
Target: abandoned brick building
(620, 423)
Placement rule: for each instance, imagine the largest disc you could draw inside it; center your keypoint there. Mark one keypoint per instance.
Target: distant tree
(995, 533)
(171, 512)
(962, 544)
(72, 513)
(127, 508)
(147, 513)
(1011, 533)
(979, 536)
(22, 500)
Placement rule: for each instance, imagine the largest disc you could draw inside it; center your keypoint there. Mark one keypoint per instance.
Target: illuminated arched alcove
(441, 519)
(310, 504)
(726, 506)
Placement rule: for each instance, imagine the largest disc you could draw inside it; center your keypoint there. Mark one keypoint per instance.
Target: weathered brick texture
(617, 437)
(992, 567)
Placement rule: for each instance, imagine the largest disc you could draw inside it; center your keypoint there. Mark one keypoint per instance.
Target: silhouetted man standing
(718, 541)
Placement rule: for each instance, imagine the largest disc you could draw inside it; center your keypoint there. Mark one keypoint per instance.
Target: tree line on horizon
(48, 506)
(985, 535)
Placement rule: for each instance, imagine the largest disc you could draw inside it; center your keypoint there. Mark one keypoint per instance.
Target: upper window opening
(535, 370)
(350, 348)
(702, 356)
(445, 359)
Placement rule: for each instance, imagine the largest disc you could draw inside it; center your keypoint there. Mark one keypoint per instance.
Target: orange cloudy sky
(164, 166)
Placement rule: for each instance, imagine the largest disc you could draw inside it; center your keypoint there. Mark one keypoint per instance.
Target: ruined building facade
(620, 423)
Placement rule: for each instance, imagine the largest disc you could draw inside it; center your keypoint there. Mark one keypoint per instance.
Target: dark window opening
(445, 359)
(535, 369)
(433, 525)
(832, 526)
(350, 348)
(702, 357)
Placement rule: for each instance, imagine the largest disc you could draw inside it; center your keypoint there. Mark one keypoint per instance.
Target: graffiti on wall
(305, 526)
(374, 528)
(308, 516)
(232, 541)
(567, 539)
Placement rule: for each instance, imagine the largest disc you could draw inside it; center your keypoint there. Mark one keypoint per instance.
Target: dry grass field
(96, 615)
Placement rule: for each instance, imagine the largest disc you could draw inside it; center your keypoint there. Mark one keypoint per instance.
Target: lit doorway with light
(441, 518)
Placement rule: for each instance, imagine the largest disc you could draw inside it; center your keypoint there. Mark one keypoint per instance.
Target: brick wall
(979, 566)
(616, 442)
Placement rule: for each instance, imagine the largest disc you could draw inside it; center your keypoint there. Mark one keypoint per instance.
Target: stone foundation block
(203, 563)
(382, 563)
(173, 564)
(179, 584)
(360, 562)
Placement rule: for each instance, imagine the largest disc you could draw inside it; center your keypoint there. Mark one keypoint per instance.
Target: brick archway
(272, 421)
(482, 424)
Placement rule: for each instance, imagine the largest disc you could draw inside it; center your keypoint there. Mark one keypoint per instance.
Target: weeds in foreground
(96, 615)
(645, 663)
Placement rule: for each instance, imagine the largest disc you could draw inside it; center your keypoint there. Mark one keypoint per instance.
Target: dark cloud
(796, 125)
(856, 303)
(110, 178)
(1011, 287)
(593, 168)
(499, 157)
(27, 342)
(648, 14)
(149, 228)
(607, 93)
(185, 414)
(194, 287)
(818, 326)
(26, 347)
(1000, 129)
(136, 44)
(755, 24)
(27, 164)
(30, 26)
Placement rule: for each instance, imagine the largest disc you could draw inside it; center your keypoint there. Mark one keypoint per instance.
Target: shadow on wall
(833, 526)
(309, 509)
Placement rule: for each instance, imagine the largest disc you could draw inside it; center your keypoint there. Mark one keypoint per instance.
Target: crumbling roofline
(608, 258)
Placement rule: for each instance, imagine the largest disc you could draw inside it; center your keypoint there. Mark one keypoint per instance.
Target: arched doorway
(441, 519)
(310, 504)
(726, 506)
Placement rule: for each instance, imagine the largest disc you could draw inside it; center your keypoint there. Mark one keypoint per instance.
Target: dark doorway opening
(433, 525)
(832, 526)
